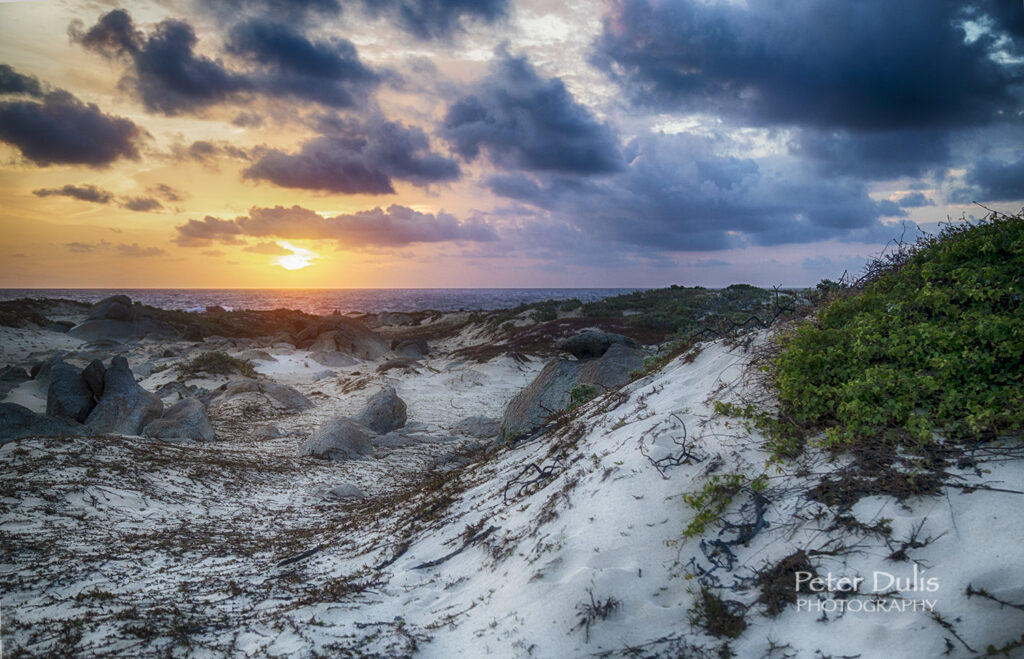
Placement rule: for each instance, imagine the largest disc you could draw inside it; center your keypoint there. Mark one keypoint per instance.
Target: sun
(298, 259)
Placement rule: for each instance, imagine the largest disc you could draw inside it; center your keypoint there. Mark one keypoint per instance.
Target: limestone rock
(384, 412)
(17, 422)
(68, 396)
(186, 419)
(125, 407)
(339, 438)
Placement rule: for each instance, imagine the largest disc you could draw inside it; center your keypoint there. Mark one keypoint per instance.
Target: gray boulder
(60, 326)
(545, 396)
(177, 390)
(414, 347)
(333, 359)
(241, 386)
(118, 319)
(145, 369)
(613, 368)
(290, 397)
(13, 374)
(68, 396)
(94, 376)
(115, 307)
(125, 407)
(41, 372)
(324, 374)
(480, 427)
(257, 355)
(549, 392)
(119, 331)
(341, 334)
(326, 342)
(344, 491)
(269, 431)
(593, 343)
(384, 412)
(186, 419)
(339, 438)
(17, 422)
(406, 363)
(394, 318)
(12, 377)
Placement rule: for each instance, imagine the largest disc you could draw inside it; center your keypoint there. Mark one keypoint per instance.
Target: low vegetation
(929, 343)
(678, 311)
(711, 501)
(217, 363)
(716, 616)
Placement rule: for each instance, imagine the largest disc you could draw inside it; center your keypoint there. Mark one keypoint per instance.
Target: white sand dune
(129, 546)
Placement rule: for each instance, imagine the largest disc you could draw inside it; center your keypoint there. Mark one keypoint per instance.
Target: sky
(495, 143)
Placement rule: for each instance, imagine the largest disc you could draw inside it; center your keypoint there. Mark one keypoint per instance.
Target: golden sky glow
(207, 147)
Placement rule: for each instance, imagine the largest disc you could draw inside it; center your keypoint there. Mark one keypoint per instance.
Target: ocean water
(326, 301)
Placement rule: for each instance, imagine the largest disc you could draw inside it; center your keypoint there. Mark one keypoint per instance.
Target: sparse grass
(716, 616)
(595, 610)
(777, 582)
(217, 363)
(580, 394)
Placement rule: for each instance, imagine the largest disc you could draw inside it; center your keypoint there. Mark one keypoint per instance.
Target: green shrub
(218, 363)
(711, 500)
(716, 616)
(580, 394)
(933, 344)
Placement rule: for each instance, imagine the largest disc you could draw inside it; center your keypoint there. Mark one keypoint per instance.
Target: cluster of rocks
(117, 318)
(601, 359)
(102, 399)
(290, 398)
(348, 438)
(337, 341)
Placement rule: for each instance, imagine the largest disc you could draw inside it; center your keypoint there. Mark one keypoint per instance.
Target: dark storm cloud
(141, 204)
(12, 82)
(248, 120)
(394, 227)
(60, 129)
(872, 90)
(170, 77)
(207, 152)
(429, 19)
(357, 158)
(677, 195)
(874, 156)
(424, 19)
(914, 200)
(291, 11)
(199, 233)
(326, 72)
(96, 195)
(994, 180)
(528, 122)
(166, 192)
(81, 192)
(864, 66)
